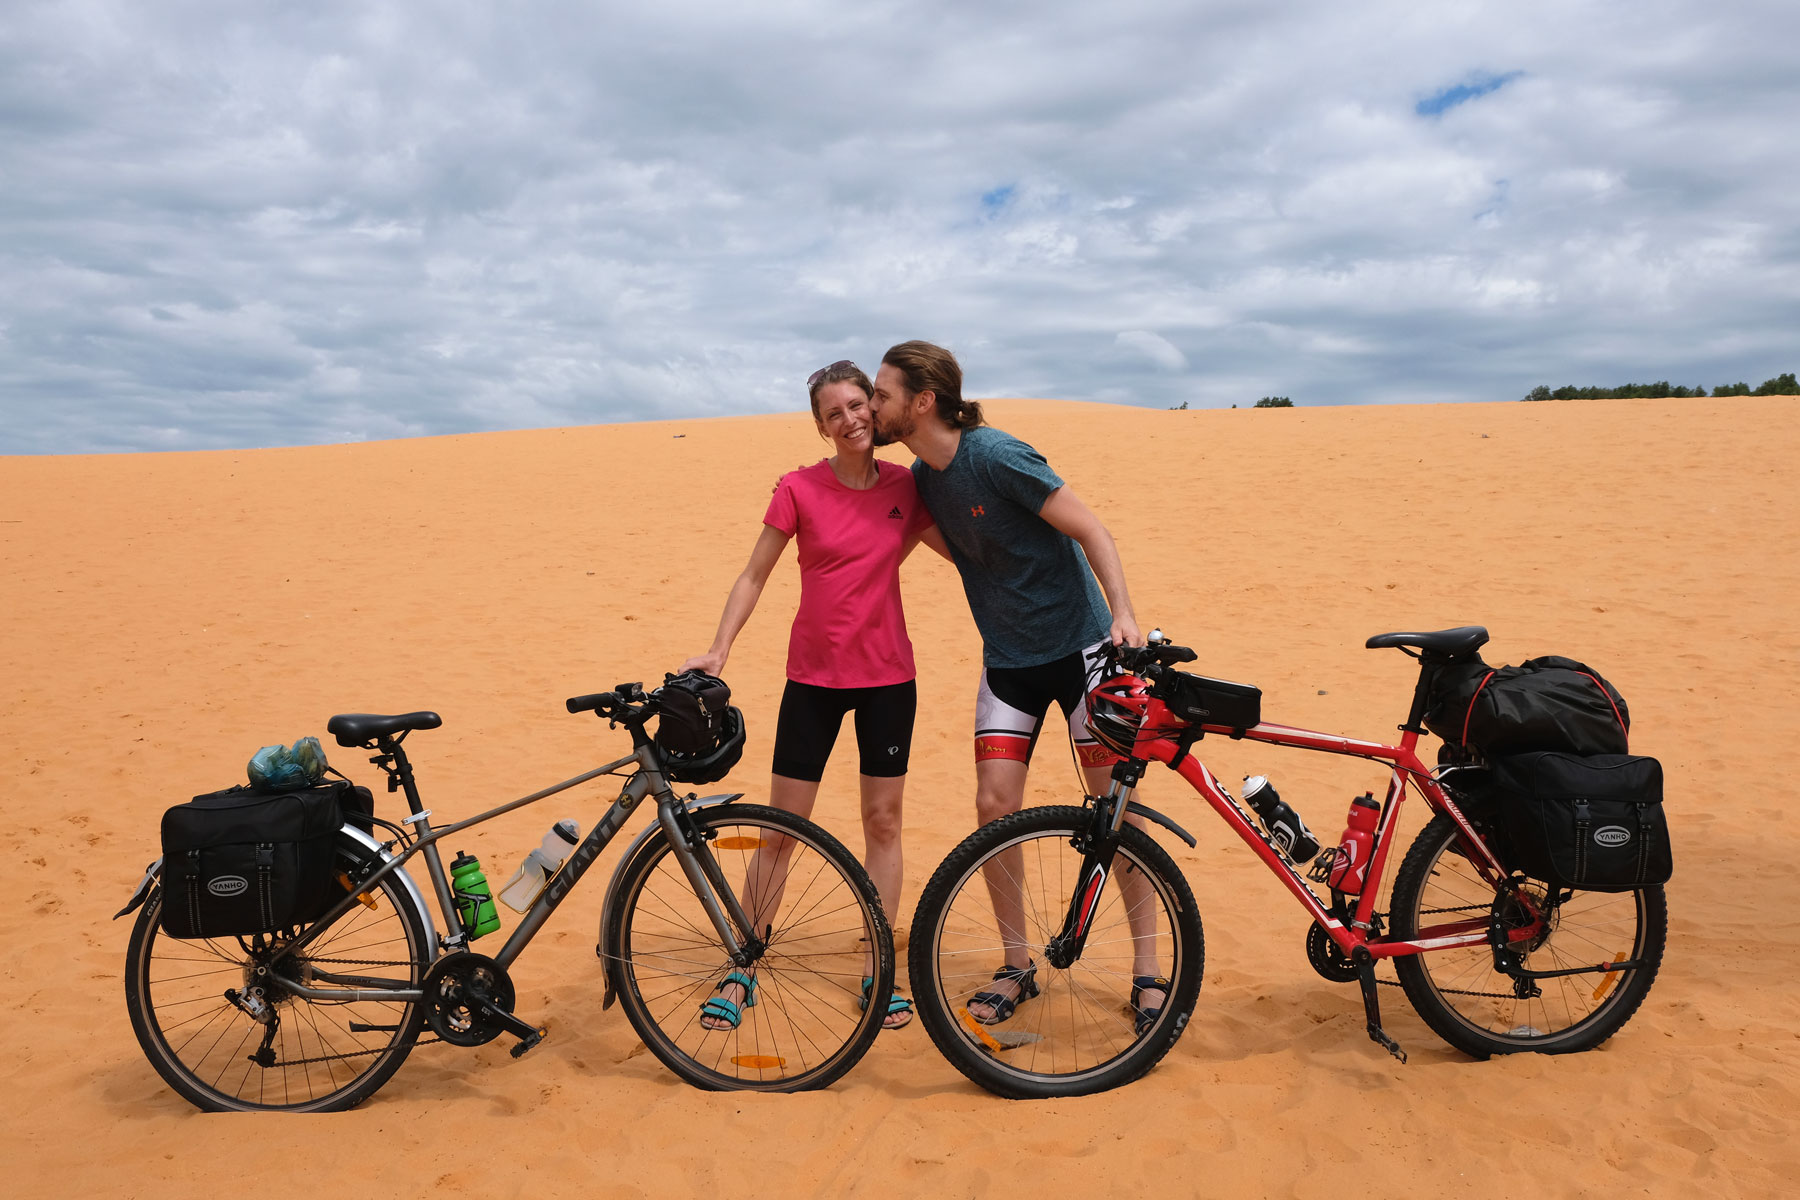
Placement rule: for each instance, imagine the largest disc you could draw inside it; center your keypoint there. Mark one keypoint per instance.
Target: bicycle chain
(352, 962)
(301, 1062)
(1455, 991)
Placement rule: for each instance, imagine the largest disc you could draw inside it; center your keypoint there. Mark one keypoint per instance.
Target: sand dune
(168, 614)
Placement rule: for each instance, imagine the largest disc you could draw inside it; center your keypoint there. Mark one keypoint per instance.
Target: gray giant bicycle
(317, 1017)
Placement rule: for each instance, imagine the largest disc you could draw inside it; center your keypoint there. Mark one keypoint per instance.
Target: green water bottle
(474, 902)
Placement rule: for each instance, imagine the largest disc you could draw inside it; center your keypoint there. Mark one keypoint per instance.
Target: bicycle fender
(151, 874)
(1145, 811)
(411, 889)
(653, 829)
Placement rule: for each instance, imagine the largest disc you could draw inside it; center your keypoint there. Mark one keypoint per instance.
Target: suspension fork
(1098, 844)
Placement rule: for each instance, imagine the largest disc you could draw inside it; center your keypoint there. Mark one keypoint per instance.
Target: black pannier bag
(1548, 703)
(243, 861)
(357, 805)
(1202, 701)
(692, 706)
(1591, 822)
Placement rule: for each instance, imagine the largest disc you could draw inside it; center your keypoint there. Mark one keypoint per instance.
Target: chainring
(449, 986)
(1326, 958)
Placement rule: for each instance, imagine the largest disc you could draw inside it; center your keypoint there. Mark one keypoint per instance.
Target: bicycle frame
(1358, 932)
(729, 920)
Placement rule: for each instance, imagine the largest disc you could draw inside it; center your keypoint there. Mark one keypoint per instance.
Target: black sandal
(1146, 1017)
(1001, 1008)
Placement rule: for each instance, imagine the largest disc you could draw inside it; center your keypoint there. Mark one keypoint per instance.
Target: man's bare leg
(1000, 790)
(1140, 902)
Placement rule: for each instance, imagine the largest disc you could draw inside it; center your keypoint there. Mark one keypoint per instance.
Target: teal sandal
(720, 1009)
(897, 1004)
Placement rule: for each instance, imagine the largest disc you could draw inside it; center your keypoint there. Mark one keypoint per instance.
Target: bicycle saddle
(355, 729)
(1451, 643)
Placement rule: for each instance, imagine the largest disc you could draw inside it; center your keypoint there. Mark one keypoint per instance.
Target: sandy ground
(167, 614)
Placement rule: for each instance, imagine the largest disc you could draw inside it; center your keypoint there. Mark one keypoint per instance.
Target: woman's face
(844, 416)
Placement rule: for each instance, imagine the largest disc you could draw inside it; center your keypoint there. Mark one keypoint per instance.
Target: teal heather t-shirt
(1032, 593)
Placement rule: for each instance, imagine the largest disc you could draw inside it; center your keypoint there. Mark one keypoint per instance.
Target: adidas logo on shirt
(894, 513)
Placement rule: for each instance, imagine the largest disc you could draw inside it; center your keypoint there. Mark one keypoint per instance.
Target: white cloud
(228, 225)
(1153, 347)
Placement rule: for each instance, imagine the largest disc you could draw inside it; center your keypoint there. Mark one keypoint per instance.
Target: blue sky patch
(1478, 86)
(992, 202)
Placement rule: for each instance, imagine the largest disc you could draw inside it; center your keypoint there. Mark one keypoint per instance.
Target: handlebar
(626, 702)
(1158, 651)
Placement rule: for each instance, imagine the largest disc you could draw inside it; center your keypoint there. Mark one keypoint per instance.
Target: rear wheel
(824, 930)
(1080, 1033)
(223, 1033)
(1479, 1010)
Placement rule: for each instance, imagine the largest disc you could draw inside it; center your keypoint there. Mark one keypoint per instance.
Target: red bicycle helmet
(1115, 712)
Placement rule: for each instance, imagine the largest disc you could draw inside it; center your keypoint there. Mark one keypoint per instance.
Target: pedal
(1379, 1036)
(1320, 871)
(526, 1043)
(528, 1035)
(1365, 972)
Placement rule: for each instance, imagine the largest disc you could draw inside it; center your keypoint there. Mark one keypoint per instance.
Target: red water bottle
(1350, 867)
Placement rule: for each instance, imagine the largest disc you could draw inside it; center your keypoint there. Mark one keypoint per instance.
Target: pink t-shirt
(850, 630)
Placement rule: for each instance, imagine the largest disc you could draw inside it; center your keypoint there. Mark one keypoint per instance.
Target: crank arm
(528, 1035)
(1365, 975)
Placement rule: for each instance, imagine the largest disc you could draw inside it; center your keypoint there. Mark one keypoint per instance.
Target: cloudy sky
(231, 224)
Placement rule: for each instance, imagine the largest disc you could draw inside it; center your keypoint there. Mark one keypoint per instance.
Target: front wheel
(1479, 1010)
(1080, 1033)
(224, 1034)
(828, 951)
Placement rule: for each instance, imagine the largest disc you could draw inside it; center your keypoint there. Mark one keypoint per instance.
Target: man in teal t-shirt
(1028, 551)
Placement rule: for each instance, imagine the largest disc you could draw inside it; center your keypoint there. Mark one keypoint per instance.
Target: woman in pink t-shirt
(855, 519)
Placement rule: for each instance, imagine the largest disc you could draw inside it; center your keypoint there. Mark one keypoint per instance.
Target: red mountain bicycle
(1098, 944)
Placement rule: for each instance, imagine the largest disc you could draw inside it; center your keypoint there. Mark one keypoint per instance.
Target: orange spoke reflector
(760, 1062)
(738, 843)
(974, 1027)
(365, 897)
(1610, 978)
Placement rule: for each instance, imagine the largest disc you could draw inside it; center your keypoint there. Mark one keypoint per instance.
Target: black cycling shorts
(1011, 702)
(811, 716)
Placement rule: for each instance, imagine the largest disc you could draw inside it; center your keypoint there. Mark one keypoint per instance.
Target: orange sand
(167, 614)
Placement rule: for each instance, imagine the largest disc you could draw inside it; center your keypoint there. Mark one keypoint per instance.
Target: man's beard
(881, 437)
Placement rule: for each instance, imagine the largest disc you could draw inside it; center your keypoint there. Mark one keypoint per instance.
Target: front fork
(745, 943)
(1097, 843)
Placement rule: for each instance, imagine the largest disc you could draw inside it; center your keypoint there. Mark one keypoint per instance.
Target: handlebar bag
(1593, 822)
(1548, 703)
(243, 861)
(1202, 701)
(692, 707)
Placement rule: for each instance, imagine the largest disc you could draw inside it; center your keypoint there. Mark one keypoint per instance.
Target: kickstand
(1365, 974)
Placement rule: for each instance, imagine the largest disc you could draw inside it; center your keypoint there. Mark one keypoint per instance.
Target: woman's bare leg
(766, 879)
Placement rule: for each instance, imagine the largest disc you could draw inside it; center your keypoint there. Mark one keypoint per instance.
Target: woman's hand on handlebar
(712, 662)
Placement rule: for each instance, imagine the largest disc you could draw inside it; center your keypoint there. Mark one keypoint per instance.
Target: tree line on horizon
(1781, 385)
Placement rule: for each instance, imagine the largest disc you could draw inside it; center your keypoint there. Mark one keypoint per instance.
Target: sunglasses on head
(812, 381)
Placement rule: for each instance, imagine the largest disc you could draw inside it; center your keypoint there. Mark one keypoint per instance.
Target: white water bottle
(533, 875)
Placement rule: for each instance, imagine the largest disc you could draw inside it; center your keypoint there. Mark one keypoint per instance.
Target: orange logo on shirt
(978, 511)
